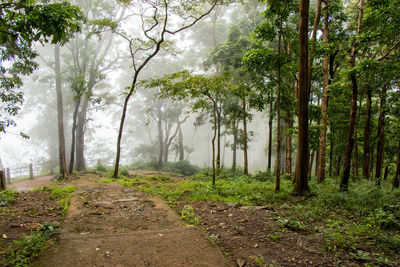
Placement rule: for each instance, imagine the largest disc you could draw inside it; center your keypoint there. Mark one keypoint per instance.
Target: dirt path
(28, 185)
(110, 225)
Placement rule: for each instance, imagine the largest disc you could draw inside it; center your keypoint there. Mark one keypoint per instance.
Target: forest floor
(115, 223)
(110, 225)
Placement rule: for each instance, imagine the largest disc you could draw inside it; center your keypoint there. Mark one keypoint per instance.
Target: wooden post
(30, 171)
(8, 176)
(2, 180)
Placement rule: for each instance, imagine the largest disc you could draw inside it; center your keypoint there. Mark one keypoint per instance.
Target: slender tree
(301, 181)
(155, 33)
(353, 79)
(324, 102)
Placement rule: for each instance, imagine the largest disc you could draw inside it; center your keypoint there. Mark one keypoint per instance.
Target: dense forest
(262, 123)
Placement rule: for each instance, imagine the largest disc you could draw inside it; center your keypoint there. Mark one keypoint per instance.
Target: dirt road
(27, 185)
(110, 225)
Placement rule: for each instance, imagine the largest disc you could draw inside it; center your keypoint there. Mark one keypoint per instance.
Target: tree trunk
(396, 176)
(60, 115)
(355, 161)
(344, 183)
(218, 162)
(213, 142)
(313, 43)
(160, 137)
(270, 121)
(367, 134)
(339, 160)
(310, 164)
(386, 172)
(288, 158)
(371, 162)
(278, 117)
(381, 137)
(3, 184)
(324, 104)
(235, 129)
(331, 154)
(301, 181)
(80, 135)
(245, 162)
(74, 121)
(180, 145)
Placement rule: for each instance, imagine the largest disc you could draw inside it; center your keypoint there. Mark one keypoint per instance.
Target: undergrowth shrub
(21, 252)
(187, 214)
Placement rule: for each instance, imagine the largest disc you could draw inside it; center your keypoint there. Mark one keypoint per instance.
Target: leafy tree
(154, 32)
(22, 23)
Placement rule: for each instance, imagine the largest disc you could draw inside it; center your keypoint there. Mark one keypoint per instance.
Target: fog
(188, 50)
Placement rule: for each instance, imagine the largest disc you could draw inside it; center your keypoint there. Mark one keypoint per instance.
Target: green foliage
(7, 196)
(187, 214)
(62, 194)
(276, 236)
(123, 171)
(101, 168)
(22, 252)
(181, 167)
(237, 189)
(291, 224)
(21, 24)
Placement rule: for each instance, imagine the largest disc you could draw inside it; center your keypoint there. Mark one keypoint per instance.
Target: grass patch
(242, 190)
(21, 252)
(7, 196)
(365, 216)
(62, 194)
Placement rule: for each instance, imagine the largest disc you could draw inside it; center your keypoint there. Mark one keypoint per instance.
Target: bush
(101, 168)
(182, 167)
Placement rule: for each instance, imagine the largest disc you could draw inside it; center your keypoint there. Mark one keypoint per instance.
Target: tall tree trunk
(396, 176)
(60, 115)
(270, 121)
(331, 154)
(218, 162)
(324, 104)
(245, 161)
(180, 144)
(371, 162)
(381, 137)
(213, 142)
(386, 172)
(160, 137)
(235, 129)
(367, 134)
(288, 158)
(74, 119)
(301, 181)
(80, 135)
(310, 164)
(355, 161)
(344, 183)
(278, 117)
(339, 161)
(313, 43)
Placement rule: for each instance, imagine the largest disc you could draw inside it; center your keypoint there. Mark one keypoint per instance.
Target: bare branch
(194, 22)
